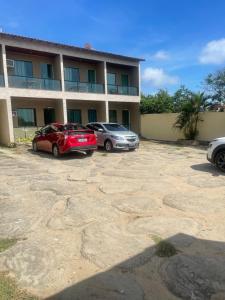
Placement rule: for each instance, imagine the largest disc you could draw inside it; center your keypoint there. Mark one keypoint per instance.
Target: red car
(65, 138)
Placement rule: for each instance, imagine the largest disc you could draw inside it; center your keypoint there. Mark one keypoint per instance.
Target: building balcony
(122, 90)
(34, 83)
(2, 82)
(84, 87)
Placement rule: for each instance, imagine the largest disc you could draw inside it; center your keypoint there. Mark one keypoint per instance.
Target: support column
(139, 80)
(105, 78)
(6, 122)
(62, 72)
(64, 106)
(5, 71)
(106, 111)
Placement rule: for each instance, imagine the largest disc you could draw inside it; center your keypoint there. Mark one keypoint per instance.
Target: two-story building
(43, 82)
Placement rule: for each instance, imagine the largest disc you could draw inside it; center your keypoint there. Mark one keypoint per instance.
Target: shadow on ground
(196, 271)
(208, 168)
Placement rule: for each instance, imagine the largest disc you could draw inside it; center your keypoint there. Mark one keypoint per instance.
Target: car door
(100, 133)
(41, 138)
(50, 137)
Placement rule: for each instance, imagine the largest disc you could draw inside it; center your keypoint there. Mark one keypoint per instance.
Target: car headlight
(117, 137)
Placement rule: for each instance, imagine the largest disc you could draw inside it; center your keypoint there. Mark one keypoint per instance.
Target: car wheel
(220, 160)
(34, 146)
(55, 151)
(89, 152)
(108, 146)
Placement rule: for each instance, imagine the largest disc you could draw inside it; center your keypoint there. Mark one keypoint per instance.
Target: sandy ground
(87, 225)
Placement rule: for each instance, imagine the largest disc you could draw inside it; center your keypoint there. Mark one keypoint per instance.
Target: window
(72, 74)
(74, 116)
(115, 127)
(124, 80)
(92, 115)
(46, 71)
(23, 68)
(111, 79)
(91, 76)
(112, 116)
(26, 117)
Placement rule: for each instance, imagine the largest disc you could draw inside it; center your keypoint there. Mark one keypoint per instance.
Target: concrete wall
(39, 105)
(84, 66)
(134, 113)
(85, 106)
(132, 73)
(160, 126)
(4, 124)
(36, 60)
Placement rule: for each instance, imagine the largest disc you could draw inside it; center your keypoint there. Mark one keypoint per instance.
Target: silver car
(114, 136)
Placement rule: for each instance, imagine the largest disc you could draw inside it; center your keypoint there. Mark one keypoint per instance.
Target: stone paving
(86, 226)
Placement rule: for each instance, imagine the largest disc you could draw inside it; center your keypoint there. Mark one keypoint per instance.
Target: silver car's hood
(123, 133)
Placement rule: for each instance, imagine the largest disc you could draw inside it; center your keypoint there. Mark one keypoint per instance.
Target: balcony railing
(122, 90)
(34, 83)
(2, 82)
(84, 87)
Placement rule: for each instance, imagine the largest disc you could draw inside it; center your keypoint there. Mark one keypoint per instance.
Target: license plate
(82, 140)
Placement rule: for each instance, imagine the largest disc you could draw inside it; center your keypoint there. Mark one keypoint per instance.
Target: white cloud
(213, 52)
(157, 77)
(161, 55)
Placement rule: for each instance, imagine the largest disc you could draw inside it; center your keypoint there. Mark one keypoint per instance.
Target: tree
(215, 85)
(180, 97)
(188, 118)
(154, 104)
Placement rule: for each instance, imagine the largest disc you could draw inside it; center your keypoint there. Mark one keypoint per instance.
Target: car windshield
(115, 127)
(74, 127)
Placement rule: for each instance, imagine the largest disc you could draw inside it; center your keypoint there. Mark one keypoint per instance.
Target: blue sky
(181, 40)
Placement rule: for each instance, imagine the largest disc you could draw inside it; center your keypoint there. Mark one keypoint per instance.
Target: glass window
(23, 68)
(26, 117)
(91, 76)
(112, 116)
(46, 71)
(74, 116)
(92, 115)
(72, 74)
(114, 127)
(111, 79)
(124, 80)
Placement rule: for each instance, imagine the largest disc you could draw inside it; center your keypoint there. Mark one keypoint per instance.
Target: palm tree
(188, 118)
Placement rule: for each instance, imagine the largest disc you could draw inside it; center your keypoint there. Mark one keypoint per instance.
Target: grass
(164, 248)
(6, 243)
(10, 291)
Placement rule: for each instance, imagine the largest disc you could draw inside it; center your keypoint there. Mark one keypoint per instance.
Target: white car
(216, 153)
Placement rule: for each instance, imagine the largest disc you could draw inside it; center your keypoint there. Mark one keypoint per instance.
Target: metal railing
(34, 83)
(2, 81)
(84, 87)
(122, 90)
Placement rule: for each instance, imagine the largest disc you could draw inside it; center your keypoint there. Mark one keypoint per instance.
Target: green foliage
(163, 248)
(180, 98)
(215, 85)
(6, 243)
(161, 102)
(188, 118)
(10, 291)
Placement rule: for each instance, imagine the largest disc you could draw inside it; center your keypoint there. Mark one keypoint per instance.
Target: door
(124, 83)
(49, 115)
(112, 116)
(92, 115)
(74, 116)
(126, 118)
(100, 134)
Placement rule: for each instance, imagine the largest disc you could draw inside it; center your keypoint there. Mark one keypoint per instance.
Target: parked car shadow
(74, 155)
(208, 168)
(195, 271)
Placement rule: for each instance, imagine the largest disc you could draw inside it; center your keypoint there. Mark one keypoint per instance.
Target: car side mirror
(100, 130)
